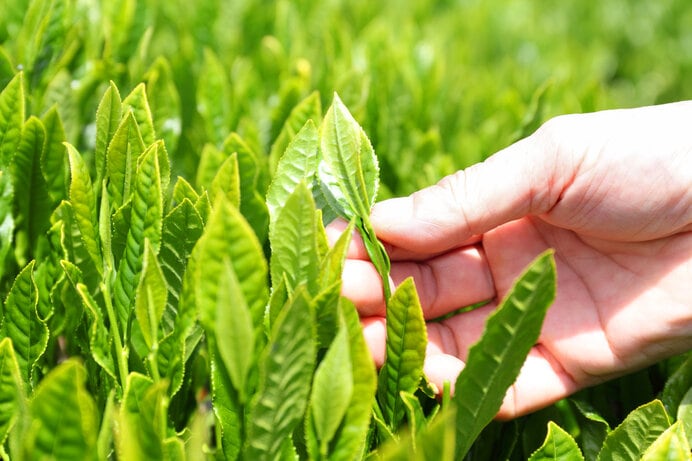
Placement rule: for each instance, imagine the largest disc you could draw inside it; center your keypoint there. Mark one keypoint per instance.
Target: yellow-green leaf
(405, 351)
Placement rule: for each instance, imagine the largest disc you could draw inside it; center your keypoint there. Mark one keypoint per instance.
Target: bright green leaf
(558, 445)
(54, 162)
(495, 360)
(636, 433)
(227, 235)
(227, 408)
(21, 323)
(233, 329)
(405, 351)
(145, 224)
(33, 202)
(298, 163)
(350, 440)
(213, 94)
(293, 242)
(121, 160)
(138, 104)
(11, 118)
(150, 298)
(309, 109)
(332, 265)
(285, 368)
(100, 338)
(252, 184)
(165, 102)
(684, 414)
(64, 416)
(142, 419)
(348, 171)
(672, 445)
(332, 390)
(227, 181)
(11, 389)
(181, 229)
(434, 443)
(84, 206)
(183, 190)
(108, 116)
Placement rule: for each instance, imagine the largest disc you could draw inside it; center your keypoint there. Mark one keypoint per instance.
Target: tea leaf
(494, 362)
(21, 323)
(293, 241)
(558, 445)
(672, 444)
(332, 264)
(213, 92)
(309, 109)
(233, 329)
(434, 443)
(684, 414)
(415, 416)
(11, 389)
(7, 223)
(252, 185)
(285, 366)
(227, 181)
(34, 205)
(593, 429)
(181, 229)
(165, 102)
(137, 103)
(350, 439)
(121, 160)
(226, 406)
(145, 224)
(405, 351)
(326, 306)
(677, 385)
(183, 190)
(348, 172)
(100, 338)
(150, 298)
(104, 442)
(142, 419)
(633, 436)
(298, 163)
(54, 162)
(108, 116)
(64, 416)
(332, 390)
(228, 235)
(210, 161)
(12, 109)
(84, 206)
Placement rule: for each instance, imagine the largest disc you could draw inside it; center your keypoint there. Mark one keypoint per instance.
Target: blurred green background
(437, 85)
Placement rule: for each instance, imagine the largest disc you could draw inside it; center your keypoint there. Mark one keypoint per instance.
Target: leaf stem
(120, 351)
(378, 255)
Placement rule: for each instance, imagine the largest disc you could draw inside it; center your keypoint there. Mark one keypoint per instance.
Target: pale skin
(610, 192)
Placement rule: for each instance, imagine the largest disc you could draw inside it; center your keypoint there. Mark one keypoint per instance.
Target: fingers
(541, 381)
(522, 179)
(444, 283)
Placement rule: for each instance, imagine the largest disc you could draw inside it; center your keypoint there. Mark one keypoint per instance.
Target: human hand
(611, 192)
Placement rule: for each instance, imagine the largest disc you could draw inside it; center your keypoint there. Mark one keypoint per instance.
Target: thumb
(517, 181)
